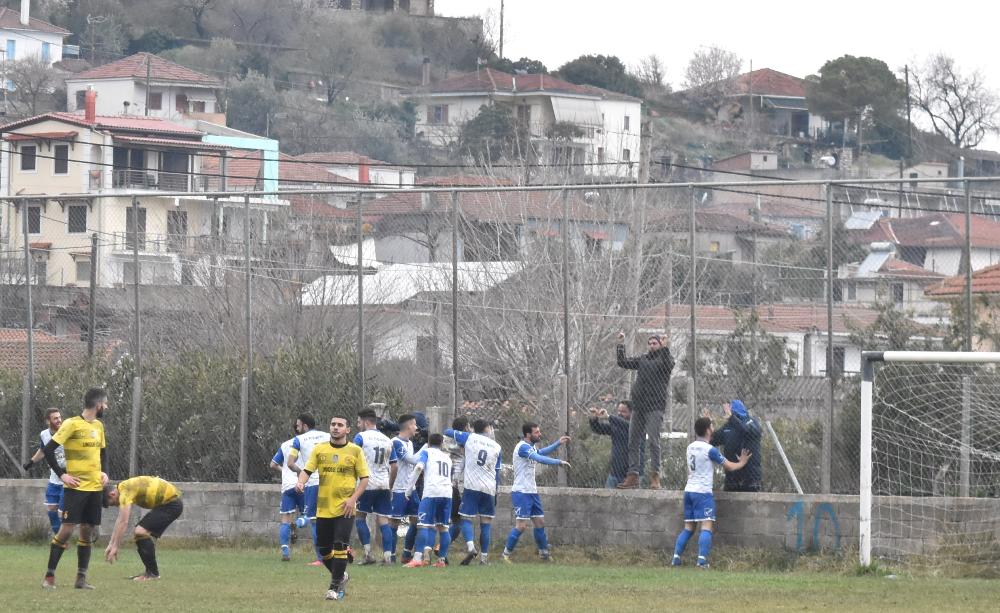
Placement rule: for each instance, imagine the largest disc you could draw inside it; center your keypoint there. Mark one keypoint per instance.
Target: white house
(882, 278)
(590, 128)
(24, 36)
(361, 168)
(175, 92)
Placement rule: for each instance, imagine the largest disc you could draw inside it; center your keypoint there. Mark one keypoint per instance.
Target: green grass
(230, 579)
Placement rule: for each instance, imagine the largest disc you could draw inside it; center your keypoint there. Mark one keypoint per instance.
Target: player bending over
(302, 446)
(291, 500)
(163, 501)
(400, 470)
(435, 506)
(54, 490)
(524, 491)
(342, 472)
(376, 499)
(480, 479)
(699, 504)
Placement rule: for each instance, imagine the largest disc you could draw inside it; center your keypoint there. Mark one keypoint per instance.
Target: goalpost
(930, 456)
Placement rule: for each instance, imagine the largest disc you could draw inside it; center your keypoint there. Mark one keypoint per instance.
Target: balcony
(123, 243)
(156, 180)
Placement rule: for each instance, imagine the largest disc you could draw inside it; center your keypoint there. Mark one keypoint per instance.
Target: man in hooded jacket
(741, 431)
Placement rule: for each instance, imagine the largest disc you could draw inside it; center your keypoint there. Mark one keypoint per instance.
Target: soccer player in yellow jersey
(162, 499)
(343, 476)
(84, 477)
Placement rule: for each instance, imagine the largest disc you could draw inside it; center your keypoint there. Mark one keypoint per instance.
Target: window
(765, 158)
(626, 155)
(83, 270)
(600, 155)
(181, 103)
(155, 101)
(897, 293)
(344, 4)
(77, 219)
(46, 52)
(439, 114)
(198, 106)
(913, 184)
(524, 115)
(627, 123)
(34, 220)
(11, 50)
(28, 157)
(81, 98)
(852, 290)
(60, 154)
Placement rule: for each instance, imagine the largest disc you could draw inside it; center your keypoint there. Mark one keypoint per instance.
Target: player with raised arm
(400, 469)
(480, 479)
(302, 446)
(524, 491)
(376, 499)
(434, 511)
(85, 475)
(343, 475)
(54, 490)
(163, 501)
(457, 453)
(699, 504)
(291, 500)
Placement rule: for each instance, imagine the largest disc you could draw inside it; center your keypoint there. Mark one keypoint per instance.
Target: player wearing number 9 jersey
(435, 506)
(699, 504)
(376, 499)
(480, 480)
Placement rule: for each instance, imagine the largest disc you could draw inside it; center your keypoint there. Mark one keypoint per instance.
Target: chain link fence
(214, 319)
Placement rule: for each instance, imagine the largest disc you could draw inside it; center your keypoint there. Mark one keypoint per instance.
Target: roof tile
(11, 20)
(134, 66)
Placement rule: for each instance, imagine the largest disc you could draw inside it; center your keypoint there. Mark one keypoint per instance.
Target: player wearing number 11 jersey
(377, 499)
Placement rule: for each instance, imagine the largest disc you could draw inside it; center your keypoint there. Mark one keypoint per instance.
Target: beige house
(985, 303)
(66, 159)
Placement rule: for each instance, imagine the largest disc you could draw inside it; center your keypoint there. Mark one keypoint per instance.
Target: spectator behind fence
(615, 426)
(649, 401)
(741, 431)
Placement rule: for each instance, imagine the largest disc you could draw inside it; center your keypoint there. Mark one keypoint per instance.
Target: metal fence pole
(92, 306)
(827, 451)
(247, 382)
(29, 385)
(359, 223)
(693, 299)
(965, 447)
(564, 421)
(133, 447)
(969, 315)
(454, 305)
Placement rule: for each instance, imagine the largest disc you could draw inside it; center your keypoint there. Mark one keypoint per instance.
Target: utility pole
(92, 307)
(500, 54)
(750, 92)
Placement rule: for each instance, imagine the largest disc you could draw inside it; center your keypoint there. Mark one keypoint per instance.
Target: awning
(577, 111)
(170, 143)
(17, 136)
(784, 104)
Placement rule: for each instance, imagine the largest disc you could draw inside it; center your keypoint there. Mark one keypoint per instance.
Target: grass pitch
(252, 579)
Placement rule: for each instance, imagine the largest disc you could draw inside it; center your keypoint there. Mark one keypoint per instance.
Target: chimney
(425, 74)
(90, 106)
(25, 12)
(363, 176)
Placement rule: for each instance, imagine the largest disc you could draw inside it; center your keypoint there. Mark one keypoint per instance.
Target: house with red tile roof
(26, 36)
(883, 278)
(985, 303)
(361, 168)
(49, 350)
(603, 141)
(175, 92)
(720, 234)
(779, 103)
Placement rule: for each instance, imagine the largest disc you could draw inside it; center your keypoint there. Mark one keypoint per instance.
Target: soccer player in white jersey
(699, 504)
(480, 480)
(401, 466)
(302, 446)
(292, 501)
(524, 491)
(457, 453)
(376, 499)
(434, 511)
(54, 489)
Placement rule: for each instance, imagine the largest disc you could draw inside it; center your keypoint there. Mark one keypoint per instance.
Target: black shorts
(82, 507)
(330, 530)
(159, 519)
(456, 502)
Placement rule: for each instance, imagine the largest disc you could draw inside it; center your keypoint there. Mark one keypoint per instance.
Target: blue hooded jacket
(740, 432)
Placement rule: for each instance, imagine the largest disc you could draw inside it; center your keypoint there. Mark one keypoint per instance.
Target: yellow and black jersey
(147, 492)
(339, 468)
(82, 441)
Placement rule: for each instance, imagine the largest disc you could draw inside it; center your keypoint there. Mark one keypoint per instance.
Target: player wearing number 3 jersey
(435, 506)
(377, 499)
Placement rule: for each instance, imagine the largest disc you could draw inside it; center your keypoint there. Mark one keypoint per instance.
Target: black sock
(338, 568)
(56, 550)
(82, 557)
(147, 553)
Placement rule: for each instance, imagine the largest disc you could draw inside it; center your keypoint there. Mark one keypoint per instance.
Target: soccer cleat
(442, 563)
(343, 585)
(484, 563)
(49, 583)
(81, 583)
(505, 556)
(676, 561)
(333, 595)
(368, 560)
(145, 577)
(469, 557)
(316, 563)
(415, 564)
(286, 554)
(545, 556)
(702, 563)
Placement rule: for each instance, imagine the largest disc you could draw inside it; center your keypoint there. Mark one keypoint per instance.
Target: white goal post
(960, 441)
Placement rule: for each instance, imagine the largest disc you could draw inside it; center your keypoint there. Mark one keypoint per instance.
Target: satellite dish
(829, 160)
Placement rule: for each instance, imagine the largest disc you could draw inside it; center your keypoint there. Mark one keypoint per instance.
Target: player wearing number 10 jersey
(480, 479)
(376, 499)
(435, 506)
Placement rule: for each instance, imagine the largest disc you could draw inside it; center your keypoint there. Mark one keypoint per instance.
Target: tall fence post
(564, 419)
(133, 439)
(247, 383)
(969, 315)
(827, 451)
(29, 382)
(92, 306)
(693, 303)
(359, 227)
(454, 305)
(965, 448)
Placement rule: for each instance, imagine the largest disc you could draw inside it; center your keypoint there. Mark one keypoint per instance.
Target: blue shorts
(526, 506)
(378, 502)
(54, 495)
(401, 507)
(310, 496)
(434, 512)
(477, 503)
(699, 507)
(292, 501)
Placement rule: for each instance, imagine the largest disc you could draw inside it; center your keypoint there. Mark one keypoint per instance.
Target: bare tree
(711, 74)
(198, 10)
(960, 105)
(651, 71)
(34, 86)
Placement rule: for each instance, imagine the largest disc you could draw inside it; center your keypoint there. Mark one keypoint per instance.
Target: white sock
(368, 550)
(387, 556)
(483, 556)
(418, 557)
(470, 545)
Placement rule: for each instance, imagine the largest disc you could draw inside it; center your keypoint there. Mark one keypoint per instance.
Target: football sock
(56, 550)
(704, 544)
(327, 559)
(682, 541)
(82, 556)
(455, 530)
(445, 542)
(388, 538)
(364, 534)
(285, 534)
(468, 534)
(485, 537)
(339, 564)
(512, 539)
(55, 521)
(319, 556)
(541, 539)
(147, 553)
(410, 540)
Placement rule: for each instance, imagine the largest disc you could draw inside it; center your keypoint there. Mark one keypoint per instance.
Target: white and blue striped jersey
(288, 477)
(701, 458)
(378, 453)
(437, 473)
(405, 460)
(482, 461)
(303, 445)
(46, 436)
(524, 469)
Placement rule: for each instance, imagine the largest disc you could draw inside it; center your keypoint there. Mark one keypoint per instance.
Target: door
(174, 171)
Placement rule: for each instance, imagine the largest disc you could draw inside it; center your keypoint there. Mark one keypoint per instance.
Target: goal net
(930, 457)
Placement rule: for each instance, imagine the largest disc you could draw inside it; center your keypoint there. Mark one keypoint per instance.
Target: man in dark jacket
(615, 426)
(741, 431)
(649, 401)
